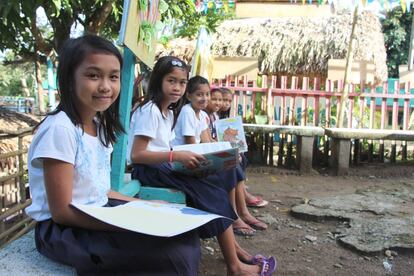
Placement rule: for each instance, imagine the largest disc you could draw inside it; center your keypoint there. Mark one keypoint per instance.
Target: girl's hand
(190, 159)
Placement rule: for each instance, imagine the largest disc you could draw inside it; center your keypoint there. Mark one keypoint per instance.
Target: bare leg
(239, 224)
(243, 211)
(235, 267)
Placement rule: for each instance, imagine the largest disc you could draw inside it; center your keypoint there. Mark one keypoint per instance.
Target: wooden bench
(341, 142)
(134, 187)
(305, 137)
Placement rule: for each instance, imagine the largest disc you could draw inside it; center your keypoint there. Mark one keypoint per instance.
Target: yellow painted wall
(247, 10)
(362, 71)
(238, 66)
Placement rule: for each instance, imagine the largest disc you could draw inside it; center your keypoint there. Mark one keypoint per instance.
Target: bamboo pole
(348, 69)
(411, 50)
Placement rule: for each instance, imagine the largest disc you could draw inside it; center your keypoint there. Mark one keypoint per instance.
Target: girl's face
(97, 84)
(199, 98)
(227, 98)
(173, 86)
(216, 100)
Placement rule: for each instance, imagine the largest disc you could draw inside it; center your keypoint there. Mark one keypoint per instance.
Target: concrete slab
(379, 219)
(21, 258)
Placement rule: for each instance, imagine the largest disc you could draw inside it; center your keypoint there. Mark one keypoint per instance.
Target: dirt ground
(285, 238)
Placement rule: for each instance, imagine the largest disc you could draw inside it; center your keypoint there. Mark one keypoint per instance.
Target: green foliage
(396, 28)
(191, 23)
(10, 79)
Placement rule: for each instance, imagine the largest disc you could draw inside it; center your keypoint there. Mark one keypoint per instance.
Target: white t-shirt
(149, 121)
(58, 138)
(189, 125)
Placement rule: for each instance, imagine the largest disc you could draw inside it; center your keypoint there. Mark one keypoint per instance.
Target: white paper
(151, 218)
(203, 148)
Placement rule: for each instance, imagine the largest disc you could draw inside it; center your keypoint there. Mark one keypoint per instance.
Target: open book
(231, 130)
(219, 156)
(151, 218)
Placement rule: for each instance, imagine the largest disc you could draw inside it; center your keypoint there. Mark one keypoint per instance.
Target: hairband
(176, 63)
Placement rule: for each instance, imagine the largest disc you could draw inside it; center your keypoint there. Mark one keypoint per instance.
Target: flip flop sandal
(257, 203)
(271, 266)
(244, 231)
(257, 225)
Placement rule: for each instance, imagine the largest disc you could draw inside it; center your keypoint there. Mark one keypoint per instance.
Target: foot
(256, 201)
(249, 270)
(254, 222)
(242, 229)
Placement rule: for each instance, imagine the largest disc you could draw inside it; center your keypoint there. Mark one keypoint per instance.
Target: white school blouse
(149, 121)
(58, 138)
(189, 125)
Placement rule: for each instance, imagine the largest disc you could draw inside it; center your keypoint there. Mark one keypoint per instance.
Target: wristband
(170, 156)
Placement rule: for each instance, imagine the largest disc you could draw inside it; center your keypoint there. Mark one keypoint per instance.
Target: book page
(231, 130)
(203, 148)
(151, 218)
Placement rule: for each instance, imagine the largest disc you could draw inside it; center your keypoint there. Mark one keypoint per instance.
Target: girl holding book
(150, 151)
(69, 162)
(251, 200)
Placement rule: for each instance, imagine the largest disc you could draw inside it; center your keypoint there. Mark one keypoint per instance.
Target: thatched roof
(298, 45)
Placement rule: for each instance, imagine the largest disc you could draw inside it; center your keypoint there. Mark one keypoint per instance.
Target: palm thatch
(298, 45)
(180, 47)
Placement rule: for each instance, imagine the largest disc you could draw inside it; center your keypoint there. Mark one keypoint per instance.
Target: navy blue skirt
(118, 253)
(207, 194)
(241, 168)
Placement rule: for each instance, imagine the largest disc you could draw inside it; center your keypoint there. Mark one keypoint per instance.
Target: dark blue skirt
(241, 168)
(118, 253)
(207, 194)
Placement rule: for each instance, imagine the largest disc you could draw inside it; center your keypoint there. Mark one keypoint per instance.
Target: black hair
(71, 55)
(225, 114)
(164, 66)
(193, 84)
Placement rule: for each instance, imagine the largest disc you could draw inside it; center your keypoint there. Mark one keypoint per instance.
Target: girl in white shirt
(150, 151)
(69, 161)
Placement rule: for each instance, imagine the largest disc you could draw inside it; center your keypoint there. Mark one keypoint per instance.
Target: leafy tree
(396, 28)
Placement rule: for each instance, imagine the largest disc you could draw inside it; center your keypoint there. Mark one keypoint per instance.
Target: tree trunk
(96, 22)
(40, 97)
(348, 69)
(26, 91)
(411, 49)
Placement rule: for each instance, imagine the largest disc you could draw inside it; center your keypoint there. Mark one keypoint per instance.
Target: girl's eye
(114, 77)
(183, 82)
(92, 76)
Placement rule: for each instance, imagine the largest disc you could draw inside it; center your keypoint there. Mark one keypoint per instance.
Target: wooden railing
(301, 101)
(14, 195)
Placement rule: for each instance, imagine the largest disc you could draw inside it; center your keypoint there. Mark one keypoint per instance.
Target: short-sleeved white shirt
(58, 138)
(189, 125)
(149, 121)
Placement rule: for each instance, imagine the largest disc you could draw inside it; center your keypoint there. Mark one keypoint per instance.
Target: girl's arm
(140, 154)
(59, 185)
(205, 136)
(189, 140)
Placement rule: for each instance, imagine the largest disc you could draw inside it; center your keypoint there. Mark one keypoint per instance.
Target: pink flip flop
(257, 203)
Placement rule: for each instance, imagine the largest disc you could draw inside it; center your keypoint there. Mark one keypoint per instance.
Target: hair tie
(176, 63)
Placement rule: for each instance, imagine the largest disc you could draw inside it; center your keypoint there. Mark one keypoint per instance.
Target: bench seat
(341, 142)
(305, 137)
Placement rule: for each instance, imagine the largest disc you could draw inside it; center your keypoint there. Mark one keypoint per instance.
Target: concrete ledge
(293, 130)
(21, 258)
(372, 134)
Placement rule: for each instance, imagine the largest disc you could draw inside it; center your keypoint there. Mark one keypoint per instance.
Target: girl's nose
(104, 86)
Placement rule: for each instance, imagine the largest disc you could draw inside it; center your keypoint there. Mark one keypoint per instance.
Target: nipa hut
(295, 45)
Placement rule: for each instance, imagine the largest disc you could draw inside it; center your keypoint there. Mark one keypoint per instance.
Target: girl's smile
(97, 84)
(199, 98)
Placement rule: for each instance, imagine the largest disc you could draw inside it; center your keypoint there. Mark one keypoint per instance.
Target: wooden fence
(301, 101)
(14, 196)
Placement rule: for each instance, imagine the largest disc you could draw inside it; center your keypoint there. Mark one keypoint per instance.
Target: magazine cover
(219, 156)
(151, 218)
(231, 130)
